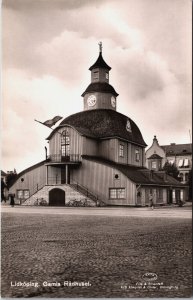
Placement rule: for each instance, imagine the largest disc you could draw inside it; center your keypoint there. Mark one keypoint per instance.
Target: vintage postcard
(96, 173)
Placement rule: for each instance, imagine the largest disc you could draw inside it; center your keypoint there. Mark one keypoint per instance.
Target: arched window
(65, 143)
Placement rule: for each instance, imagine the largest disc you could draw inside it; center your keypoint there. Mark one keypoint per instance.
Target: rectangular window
(20, 194)
(186, 163)
(117, 193)
(137, 155)
(107, 75)
(181, 194)
(121, 150)
(180, 163)
(186, 177)
(153, 165)
(173, 196)
(26, 194)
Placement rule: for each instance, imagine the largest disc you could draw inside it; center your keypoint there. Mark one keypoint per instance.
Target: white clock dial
(113, 101)
(128, 126)
(91, 100)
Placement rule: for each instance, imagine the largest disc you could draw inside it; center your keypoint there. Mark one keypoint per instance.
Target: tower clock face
(113, 101)
(91, 100)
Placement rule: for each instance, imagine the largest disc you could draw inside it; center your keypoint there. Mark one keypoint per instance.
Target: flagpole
(48, 126)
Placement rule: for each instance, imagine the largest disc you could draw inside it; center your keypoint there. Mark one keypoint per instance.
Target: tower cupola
(100, 94)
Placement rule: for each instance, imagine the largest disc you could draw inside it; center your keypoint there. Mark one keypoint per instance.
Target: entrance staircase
(41, 197)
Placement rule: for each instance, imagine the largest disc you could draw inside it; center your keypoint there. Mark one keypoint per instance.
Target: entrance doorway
(169, 196)
(57, 197)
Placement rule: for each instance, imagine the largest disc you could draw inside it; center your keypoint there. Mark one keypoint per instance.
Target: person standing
(3, 186)
(12, 200)
(151, 204)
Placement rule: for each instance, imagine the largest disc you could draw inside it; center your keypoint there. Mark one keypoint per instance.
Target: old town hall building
(97, 156)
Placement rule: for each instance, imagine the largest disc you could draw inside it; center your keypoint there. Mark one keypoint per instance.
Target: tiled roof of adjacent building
(100, 87)
(177, 149)
(139, 175)
(103, 123)
(100, 63)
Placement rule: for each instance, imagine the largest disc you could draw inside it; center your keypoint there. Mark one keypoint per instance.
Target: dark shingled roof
(41, 163)
(100, 63)
(177, 149)
(138, 175)
(154, 156)
(103, 123)
(101, 87)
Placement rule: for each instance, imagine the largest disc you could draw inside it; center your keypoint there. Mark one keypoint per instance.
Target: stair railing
(38, 186)
(86, 192)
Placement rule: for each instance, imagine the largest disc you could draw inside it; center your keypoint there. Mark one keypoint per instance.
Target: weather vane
(100, 46)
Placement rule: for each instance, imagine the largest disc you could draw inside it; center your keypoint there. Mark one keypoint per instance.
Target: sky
(49, 45)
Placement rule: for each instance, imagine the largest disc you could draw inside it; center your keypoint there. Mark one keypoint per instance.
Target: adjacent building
(179, 155)
(96, 156)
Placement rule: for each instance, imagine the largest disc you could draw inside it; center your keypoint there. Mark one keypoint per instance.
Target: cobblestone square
(111, 255)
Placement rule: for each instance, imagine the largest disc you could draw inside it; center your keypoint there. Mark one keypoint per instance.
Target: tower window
(121, 150)
(107, 75)
(95, 75)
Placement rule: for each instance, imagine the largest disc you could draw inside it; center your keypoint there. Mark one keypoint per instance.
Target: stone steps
(41, 197)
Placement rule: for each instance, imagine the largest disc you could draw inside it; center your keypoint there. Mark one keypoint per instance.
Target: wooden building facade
(98, 152)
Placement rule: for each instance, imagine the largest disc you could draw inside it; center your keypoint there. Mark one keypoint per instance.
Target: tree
(171, 170)
(10, 178)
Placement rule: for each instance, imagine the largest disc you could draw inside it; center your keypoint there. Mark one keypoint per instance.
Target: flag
(53, 121)
(50, 123)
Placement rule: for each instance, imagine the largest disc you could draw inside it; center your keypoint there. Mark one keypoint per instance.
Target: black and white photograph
(96, 149)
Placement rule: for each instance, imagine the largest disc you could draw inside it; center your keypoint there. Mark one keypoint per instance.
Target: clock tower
(100, 94)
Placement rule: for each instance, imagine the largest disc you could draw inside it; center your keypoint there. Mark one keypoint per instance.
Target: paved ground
(111, 248)
(168, 212)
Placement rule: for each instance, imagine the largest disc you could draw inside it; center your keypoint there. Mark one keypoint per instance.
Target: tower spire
(100, 47)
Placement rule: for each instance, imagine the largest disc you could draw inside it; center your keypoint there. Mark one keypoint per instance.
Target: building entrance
(57, 197)
(169, 198)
